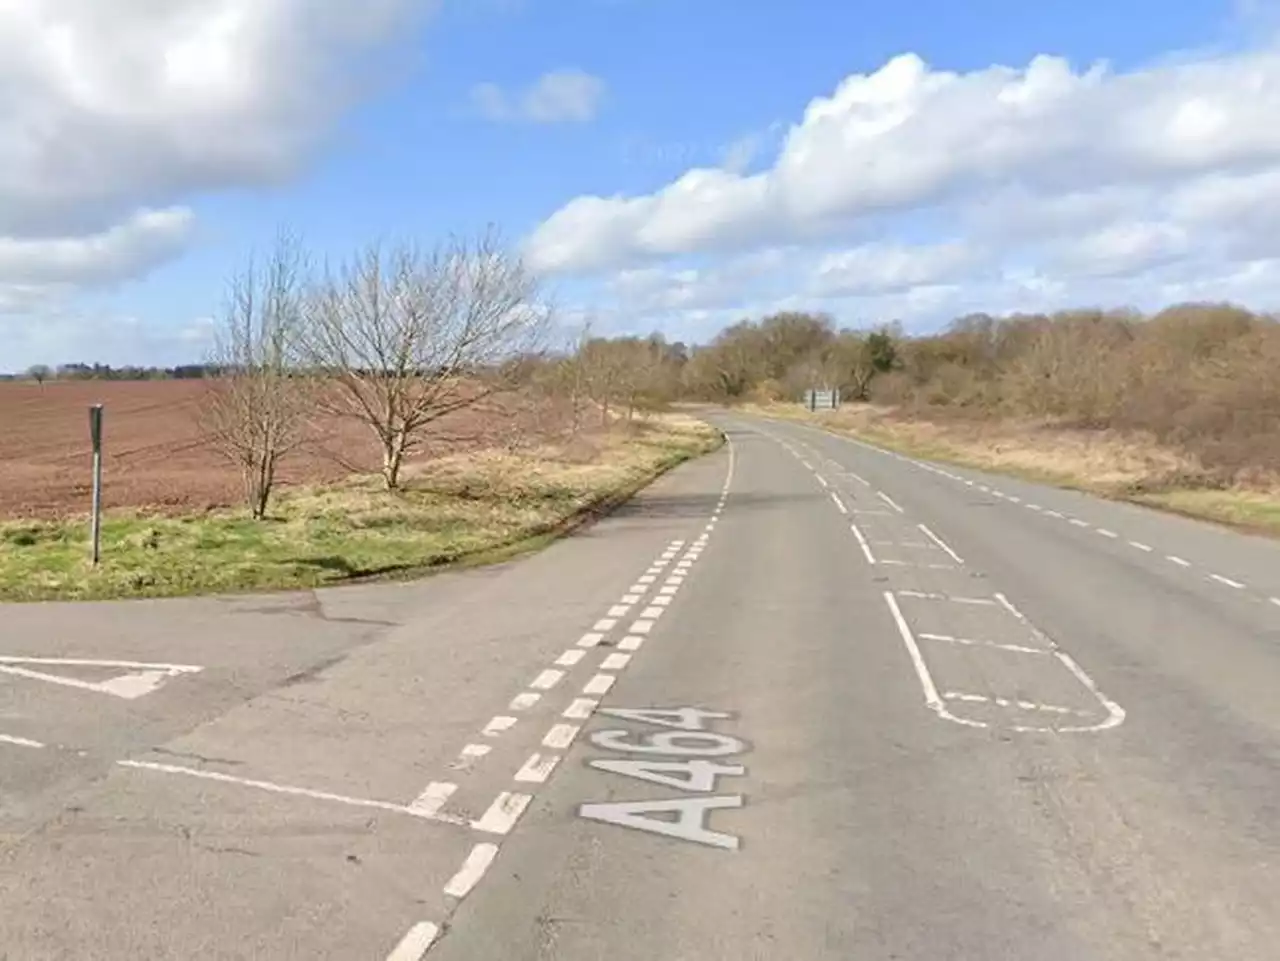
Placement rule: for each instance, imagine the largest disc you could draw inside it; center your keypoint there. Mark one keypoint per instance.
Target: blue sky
(393, 139)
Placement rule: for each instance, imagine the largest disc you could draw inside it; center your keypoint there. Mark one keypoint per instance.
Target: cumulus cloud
(111, 113)
(907, 136)
(560, 96)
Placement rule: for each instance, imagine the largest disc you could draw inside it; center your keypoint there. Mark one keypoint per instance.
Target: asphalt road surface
(802, 699)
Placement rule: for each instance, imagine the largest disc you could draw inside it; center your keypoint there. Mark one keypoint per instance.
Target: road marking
(590, 640)
(547, 680)
(675, 579)
(522, 702)
(497, 725)
(1077, 522)
(142, 679)
(862, 542)
(619, 610)
(434, 798)
(1115, 713)
(643, 626)
(503, 813)
(890, 501)
(1007, 702)
(580, 709)
(913, 651)
(599, 684)
(472, 870)
(411, 809)
(951, 639)
(664, 600)
(651, 612)
(939, 541)
(1015, 500)
(560, 736)
(469, 755)
(807, 464)
(538, 768)
(571, 657)
(1034, 507)
(1228, 581)
(1140, 546)
(822, 480)
(630, 643)
(414, 945)
(1106, 533)
(615, 662)
(839, 503)
(630, 599)
(668, 589)
(19, 741)
(870, 513)
(927, 567)
(1177, 560)
(1274, 600)
(690, 823)
(860, 479)
(1054, 514)
(928, 596)
(605, 624)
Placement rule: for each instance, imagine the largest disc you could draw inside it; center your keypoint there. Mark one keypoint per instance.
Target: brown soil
(155, 458)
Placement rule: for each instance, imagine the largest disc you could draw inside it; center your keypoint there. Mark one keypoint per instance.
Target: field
(154, 457)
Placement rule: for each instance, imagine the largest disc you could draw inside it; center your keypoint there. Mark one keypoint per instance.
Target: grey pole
(95, 434)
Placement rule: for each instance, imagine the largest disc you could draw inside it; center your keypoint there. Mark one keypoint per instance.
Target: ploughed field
(154, 456)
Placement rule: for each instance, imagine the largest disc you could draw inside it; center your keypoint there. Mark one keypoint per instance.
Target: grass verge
(462, 510)
(1109, 464)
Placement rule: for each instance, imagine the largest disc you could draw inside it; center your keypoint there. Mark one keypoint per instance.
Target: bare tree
(39, 372)
(257, 408)
(407, 338)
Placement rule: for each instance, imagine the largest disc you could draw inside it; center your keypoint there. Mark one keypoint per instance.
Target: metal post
(95, 434)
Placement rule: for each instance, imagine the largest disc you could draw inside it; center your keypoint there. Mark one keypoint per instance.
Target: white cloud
(149, 237)
(994, 189)
(560, 96)
(112, 113)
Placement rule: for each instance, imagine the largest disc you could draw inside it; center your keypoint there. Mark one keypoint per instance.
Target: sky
(670, 165)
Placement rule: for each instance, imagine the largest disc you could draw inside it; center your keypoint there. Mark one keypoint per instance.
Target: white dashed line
(643, 626)
(1177, 560)
(590, 640)
(599, 684)
(1228, 581)
(862, 541)
(928, 596)
(1274, 600)
(1034, 507)
(580, 709)
(1053, 514)
(630, 643)
(498, 725)
(1015, 648)
(537, 769)
(822, 480)
(651, 612)
(939, 541)
(414, 945)
(606, 624)
(561, 736)
(522, 702)
(630, 599)
(571, 657)
(469, 755)
(503, 813)
(615, 662)
(1140, 546)
(1077, 522)
(839, 503)
(1106, 533)
(619, 610)
(547, 679)
(667, 590)
(472, 870)
(890, 501)
(663, 601)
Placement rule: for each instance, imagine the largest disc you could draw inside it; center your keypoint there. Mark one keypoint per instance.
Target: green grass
(462, 510)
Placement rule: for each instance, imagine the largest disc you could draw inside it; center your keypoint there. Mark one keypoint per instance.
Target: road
(801, 699)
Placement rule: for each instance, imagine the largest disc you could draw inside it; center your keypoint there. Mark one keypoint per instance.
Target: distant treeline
(42, 372)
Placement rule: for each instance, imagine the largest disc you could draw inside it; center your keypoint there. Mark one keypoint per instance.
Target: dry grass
(1110, 463)
(465, 508)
